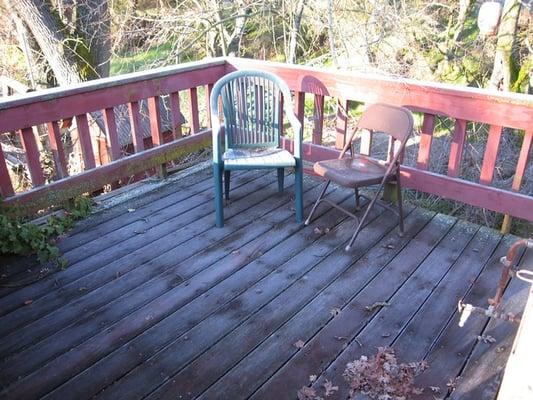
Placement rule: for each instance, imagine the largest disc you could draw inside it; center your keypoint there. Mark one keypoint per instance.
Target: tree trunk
(44, 27)
(93, 23)
(502, 71)
(295, 29)
(331, 33)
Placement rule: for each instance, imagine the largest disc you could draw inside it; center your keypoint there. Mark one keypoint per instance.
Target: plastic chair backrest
(252, 106)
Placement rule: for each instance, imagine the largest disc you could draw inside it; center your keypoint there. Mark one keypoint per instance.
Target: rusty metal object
(508, 272)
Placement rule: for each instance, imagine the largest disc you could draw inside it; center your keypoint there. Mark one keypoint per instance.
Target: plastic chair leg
(219, 206)
(298, 193)
(281, 178)
(227, 179)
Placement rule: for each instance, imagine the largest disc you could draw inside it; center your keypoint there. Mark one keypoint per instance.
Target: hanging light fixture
(488, 17)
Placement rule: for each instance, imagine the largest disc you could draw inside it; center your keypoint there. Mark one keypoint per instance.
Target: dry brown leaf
(486, 339)
(317, 231)
(330, 389)
(28, 302)
(312, 378)
(434, 389)
(299, 344)
(306, 393)
(335, 311)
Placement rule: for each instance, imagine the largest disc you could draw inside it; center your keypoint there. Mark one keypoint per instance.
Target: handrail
(462, 105)
(99, 101)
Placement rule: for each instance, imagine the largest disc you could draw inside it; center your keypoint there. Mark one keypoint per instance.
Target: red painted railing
(462, 105)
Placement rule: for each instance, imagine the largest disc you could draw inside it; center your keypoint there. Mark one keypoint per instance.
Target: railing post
(155, 130)
(426, 137)
(6, 187)
(58, 153)
(193, 110)
(341, 125)
(32, 156)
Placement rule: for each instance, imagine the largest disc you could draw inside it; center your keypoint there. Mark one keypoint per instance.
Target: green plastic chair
(252, 104)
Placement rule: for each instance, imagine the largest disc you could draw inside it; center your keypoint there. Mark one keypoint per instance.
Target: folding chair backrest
(395, 121)
(252, 106)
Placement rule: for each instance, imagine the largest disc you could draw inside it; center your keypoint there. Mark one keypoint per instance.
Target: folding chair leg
(362, 221)
(219, 206)
(400, 203)
(227, 179)
(357, 204)
(317, 202)
(281, 177)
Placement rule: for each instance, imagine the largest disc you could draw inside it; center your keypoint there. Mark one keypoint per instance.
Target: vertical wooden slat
(58, 153)
(208, 90)
(366, 142)
(32, 156)
(523, 159)
(175, 114)
(491, 153)
(280, 116)
(457, 147)
(135, 120)
(193, 107)
(84, 135)
(155, 121)
(426, 137)
(341, 125)
(6, 187)
(521, 166)
(318, 118)
(112, 135)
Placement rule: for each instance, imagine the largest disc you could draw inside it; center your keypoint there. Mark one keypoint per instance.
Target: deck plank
(184, 310)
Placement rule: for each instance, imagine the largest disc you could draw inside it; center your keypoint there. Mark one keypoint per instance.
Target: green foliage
(140, 60)
(22, 237)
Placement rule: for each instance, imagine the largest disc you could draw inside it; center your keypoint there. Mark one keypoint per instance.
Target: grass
(138, 61)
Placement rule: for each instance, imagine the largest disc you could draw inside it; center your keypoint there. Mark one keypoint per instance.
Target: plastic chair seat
(352, 172)
(242, 158)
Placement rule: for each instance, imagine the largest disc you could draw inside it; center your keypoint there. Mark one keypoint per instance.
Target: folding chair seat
(359, 170)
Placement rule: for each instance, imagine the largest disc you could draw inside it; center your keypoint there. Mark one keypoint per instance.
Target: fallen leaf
(312, 378)
(385, 335)
(434, 389)
(306, 393)
(28, 302)
(299, 344)
(330, 389)
(335, 311)
(486, 339)
(317, 231)
(131, 210)
(377, 304)
(341, 337)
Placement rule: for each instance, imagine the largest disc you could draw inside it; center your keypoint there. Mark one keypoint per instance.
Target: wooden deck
(158, 303)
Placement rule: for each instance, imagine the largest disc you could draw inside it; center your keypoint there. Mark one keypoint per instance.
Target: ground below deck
(157, 303)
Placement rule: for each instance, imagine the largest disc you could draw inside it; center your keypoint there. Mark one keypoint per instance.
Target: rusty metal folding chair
(360, 170)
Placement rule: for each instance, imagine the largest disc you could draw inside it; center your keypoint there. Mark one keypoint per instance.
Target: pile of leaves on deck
(379, 377)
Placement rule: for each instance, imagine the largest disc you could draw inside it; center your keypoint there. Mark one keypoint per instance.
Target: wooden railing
(461, 105)
(49, 107)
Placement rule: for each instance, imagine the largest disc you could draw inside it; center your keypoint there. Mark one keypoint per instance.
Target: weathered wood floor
(157, 303)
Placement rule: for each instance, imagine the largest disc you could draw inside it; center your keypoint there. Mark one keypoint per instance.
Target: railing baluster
(299, 106)
(426, 137)
(84, 136)
(366, 142)
(490, 155)
(136, 131)
(155, 129)
(341, 124)
(193, 110)
(318, 118)
(58, 152)
(6, 187)
(457, 147)
(175, 114)
(112, 135)
(521, 165)
(32, 156)
(208, 90)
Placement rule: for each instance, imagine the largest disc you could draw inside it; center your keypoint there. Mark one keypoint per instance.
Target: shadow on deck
(158, 303)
